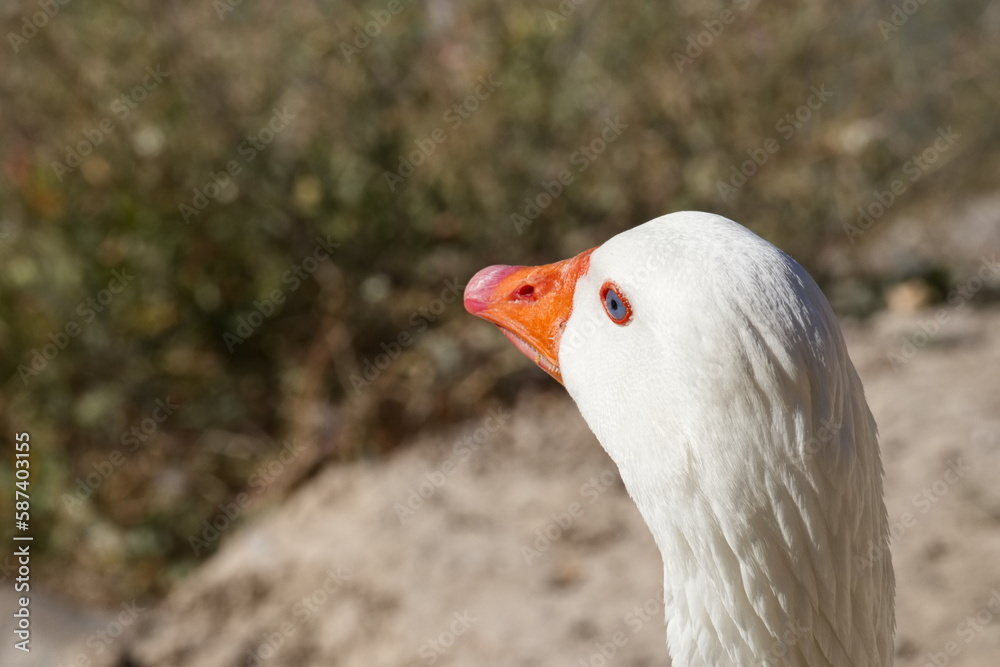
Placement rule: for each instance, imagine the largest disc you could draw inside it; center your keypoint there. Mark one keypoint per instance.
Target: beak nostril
(524, 292)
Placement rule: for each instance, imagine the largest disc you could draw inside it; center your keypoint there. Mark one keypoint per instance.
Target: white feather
(740, 429)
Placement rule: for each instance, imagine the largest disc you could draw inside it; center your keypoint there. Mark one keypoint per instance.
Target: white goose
(712, 369)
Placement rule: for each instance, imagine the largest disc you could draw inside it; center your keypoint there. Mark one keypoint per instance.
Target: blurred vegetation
(561, 72)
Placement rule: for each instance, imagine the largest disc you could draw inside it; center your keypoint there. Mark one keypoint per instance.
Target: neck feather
(772, 529)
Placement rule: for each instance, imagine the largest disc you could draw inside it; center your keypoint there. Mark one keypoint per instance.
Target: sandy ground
(525, 549)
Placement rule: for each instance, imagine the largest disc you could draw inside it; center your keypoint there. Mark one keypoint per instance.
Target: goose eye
(615, 304)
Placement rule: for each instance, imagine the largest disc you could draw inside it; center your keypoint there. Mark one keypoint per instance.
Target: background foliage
(563, 70)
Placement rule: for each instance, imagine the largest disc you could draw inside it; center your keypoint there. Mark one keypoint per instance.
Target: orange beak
(530, 304)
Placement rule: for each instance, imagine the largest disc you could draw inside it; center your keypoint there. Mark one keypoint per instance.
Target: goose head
(712, 370)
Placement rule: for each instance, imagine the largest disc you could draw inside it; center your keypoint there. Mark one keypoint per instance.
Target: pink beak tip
(479, 291)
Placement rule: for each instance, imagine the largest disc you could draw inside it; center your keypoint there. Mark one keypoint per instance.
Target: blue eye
(615, 304)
